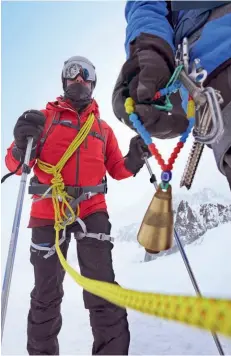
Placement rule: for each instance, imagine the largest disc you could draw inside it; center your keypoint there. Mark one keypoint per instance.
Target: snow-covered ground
(210, 260)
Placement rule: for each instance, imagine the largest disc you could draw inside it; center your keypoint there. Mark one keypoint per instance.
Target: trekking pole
(184, 256)
(14, 234)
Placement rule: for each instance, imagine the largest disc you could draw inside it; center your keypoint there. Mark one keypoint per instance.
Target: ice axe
(14, 233)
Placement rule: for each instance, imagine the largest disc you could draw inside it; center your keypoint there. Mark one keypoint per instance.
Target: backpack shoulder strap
(102, 132)
(53, 119)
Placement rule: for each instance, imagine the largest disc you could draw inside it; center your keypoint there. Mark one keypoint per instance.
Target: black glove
(134, 159)
(149, 69)
(30, 123)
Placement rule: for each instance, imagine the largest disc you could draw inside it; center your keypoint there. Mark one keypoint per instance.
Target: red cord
(166, 167)
(157, 96)
(153, 149)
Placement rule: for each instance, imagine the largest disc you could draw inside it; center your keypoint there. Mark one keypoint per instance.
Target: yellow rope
(57, 184)
(207, 313)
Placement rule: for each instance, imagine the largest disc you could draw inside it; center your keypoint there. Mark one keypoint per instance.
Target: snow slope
(209, 259)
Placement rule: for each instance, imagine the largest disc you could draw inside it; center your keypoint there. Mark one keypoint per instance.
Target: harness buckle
(101, 236)
(198, 74)
(178, 56)
(88, 195)
(185, 54)
(51, 252)
(79, 235)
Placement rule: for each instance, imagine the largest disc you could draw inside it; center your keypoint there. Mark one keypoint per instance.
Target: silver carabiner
(185, 54)
(198, 73)
(209, 123)
(212, 115)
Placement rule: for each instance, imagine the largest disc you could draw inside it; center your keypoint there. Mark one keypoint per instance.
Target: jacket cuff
(147, 41)
(133, 166)
(19, 154)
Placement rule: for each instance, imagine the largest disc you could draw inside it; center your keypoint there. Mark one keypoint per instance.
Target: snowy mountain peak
(194, 215)
(206, 195)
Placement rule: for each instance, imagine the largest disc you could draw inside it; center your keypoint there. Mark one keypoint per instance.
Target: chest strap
(68, 123)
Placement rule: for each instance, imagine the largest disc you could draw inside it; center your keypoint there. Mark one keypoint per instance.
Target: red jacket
(86, 167)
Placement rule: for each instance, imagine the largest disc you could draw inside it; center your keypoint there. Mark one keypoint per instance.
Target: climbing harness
(78, 194)
(67, 196)
(14, 235)
(79, 235)
(63, 209)
(50, 250)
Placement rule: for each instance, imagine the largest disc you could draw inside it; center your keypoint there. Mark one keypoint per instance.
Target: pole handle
(28, 150)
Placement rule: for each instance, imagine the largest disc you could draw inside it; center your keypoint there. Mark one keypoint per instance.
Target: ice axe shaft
(185, 258)
(14, 235)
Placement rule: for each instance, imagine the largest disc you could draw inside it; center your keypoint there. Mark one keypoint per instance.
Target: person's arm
(149, 66)
(148, 17)
(114, 159)
(120, 167)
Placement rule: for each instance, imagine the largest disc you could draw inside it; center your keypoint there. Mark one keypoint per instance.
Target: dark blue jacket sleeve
(147, 17)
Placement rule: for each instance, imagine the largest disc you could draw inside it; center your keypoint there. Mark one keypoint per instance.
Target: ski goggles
(74, 68)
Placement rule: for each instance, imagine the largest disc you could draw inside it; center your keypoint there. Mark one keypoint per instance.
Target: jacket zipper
(86, 143)
(78, 149)
(77, 156)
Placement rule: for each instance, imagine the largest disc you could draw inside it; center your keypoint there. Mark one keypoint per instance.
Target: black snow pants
(108, 322)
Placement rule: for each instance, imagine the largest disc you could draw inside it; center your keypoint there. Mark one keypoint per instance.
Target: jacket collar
(62, 105)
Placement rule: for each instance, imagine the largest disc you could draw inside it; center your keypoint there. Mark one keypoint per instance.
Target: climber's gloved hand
(134, 159)
(148, 69)
(30, 123)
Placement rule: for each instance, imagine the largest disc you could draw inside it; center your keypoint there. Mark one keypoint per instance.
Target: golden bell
(156, 231)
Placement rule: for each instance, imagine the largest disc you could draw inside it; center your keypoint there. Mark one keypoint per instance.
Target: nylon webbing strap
(75, 192)
(99, 236)
(78, 235)
(51, 250)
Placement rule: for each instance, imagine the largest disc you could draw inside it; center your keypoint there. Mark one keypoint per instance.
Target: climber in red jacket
(53, 130)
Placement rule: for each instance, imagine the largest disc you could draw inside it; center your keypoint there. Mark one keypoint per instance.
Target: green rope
(168, 105)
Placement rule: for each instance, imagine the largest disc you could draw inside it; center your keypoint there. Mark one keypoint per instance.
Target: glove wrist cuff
(19, 153)
(133, 166)
(147, 41)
